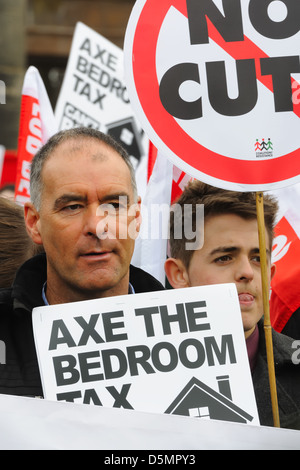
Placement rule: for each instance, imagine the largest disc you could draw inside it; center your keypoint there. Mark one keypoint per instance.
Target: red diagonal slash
(244, 50)
(164, 129)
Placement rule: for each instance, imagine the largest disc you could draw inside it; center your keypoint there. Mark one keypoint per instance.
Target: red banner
(37, 124)
(180, 178)
(285, 296)
(30, 140)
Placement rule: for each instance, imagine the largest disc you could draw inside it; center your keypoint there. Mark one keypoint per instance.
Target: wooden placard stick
(266, 305)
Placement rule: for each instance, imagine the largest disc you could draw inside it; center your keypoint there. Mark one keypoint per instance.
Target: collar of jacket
(282, 346)
(28, 283)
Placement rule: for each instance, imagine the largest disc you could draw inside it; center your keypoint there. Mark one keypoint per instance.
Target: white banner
(93, 93)
(33, 424)
(150, 250)
(175, 352)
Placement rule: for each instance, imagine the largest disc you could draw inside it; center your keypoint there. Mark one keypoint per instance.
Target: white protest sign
(175, 352)
(93, 93)
(33, 424)
(215, 85)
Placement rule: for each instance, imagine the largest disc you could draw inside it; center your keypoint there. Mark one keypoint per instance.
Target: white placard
(93, 93)
(177, 352)
(33, 424)
(216, 87)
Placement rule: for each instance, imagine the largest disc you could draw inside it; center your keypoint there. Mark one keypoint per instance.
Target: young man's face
(87, 256)
(230, 254)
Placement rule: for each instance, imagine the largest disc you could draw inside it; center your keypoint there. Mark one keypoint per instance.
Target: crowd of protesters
(55, 250)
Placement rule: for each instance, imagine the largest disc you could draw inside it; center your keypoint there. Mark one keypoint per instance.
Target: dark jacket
(287, 375)
(19, 375)
(292, 326)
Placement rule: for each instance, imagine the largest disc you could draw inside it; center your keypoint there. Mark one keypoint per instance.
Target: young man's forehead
(231, 231)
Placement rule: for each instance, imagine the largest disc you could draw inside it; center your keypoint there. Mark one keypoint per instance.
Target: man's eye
(114, 205)
(223, 259)
(72, 207)
(111, 208)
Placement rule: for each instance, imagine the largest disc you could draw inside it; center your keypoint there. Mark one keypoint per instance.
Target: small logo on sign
(200, 401)
(263, 148)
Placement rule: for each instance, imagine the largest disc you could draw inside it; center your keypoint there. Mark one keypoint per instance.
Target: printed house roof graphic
(199, 400)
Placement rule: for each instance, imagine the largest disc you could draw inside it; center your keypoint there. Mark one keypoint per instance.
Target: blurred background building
(39, 33)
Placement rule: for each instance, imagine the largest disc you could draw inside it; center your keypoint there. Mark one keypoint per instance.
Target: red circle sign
(222, 104)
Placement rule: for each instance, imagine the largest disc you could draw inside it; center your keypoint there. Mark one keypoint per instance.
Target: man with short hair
(85, 212)
(230, 254)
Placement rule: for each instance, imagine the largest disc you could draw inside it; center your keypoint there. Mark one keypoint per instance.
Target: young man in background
(230, 254)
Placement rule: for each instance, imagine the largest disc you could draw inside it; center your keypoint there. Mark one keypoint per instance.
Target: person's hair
(15, 244)
(8, 191)
(42, 155)
(216, 201)
(8, 186)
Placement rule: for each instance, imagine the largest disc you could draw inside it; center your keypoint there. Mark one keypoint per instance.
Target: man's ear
(138, 215)
(176, 273)
(32, 218)
(135, 212)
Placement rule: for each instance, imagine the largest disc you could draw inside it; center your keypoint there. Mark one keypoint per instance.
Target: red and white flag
(37, 125)
(165, 183)
(180, 178)
(151, 244)
(285, 290)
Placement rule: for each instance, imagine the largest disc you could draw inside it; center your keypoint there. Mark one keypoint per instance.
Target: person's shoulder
(6, 300)
(282, 339)
(283, 345)
(143, 281)
(5, 294)
(292, 326)
(27, 285)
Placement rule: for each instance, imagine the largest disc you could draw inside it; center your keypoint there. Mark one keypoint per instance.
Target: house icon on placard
(199, 400)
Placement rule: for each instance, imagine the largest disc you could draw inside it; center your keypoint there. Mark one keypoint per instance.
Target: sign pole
(265, 292)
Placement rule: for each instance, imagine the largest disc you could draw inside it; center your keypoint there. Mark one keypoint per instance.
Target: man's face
(230, 254)
(81, 218)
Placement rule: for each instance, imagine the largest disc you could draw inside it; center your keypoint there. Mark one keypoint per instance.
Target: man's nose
(244, 271)
(95, 225)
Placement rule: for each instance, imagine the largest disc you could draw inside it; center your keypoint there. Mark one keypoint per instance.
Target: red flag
(180, 178)
(152, 155)
(285, 295)
(165, 183)
(37, 124)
